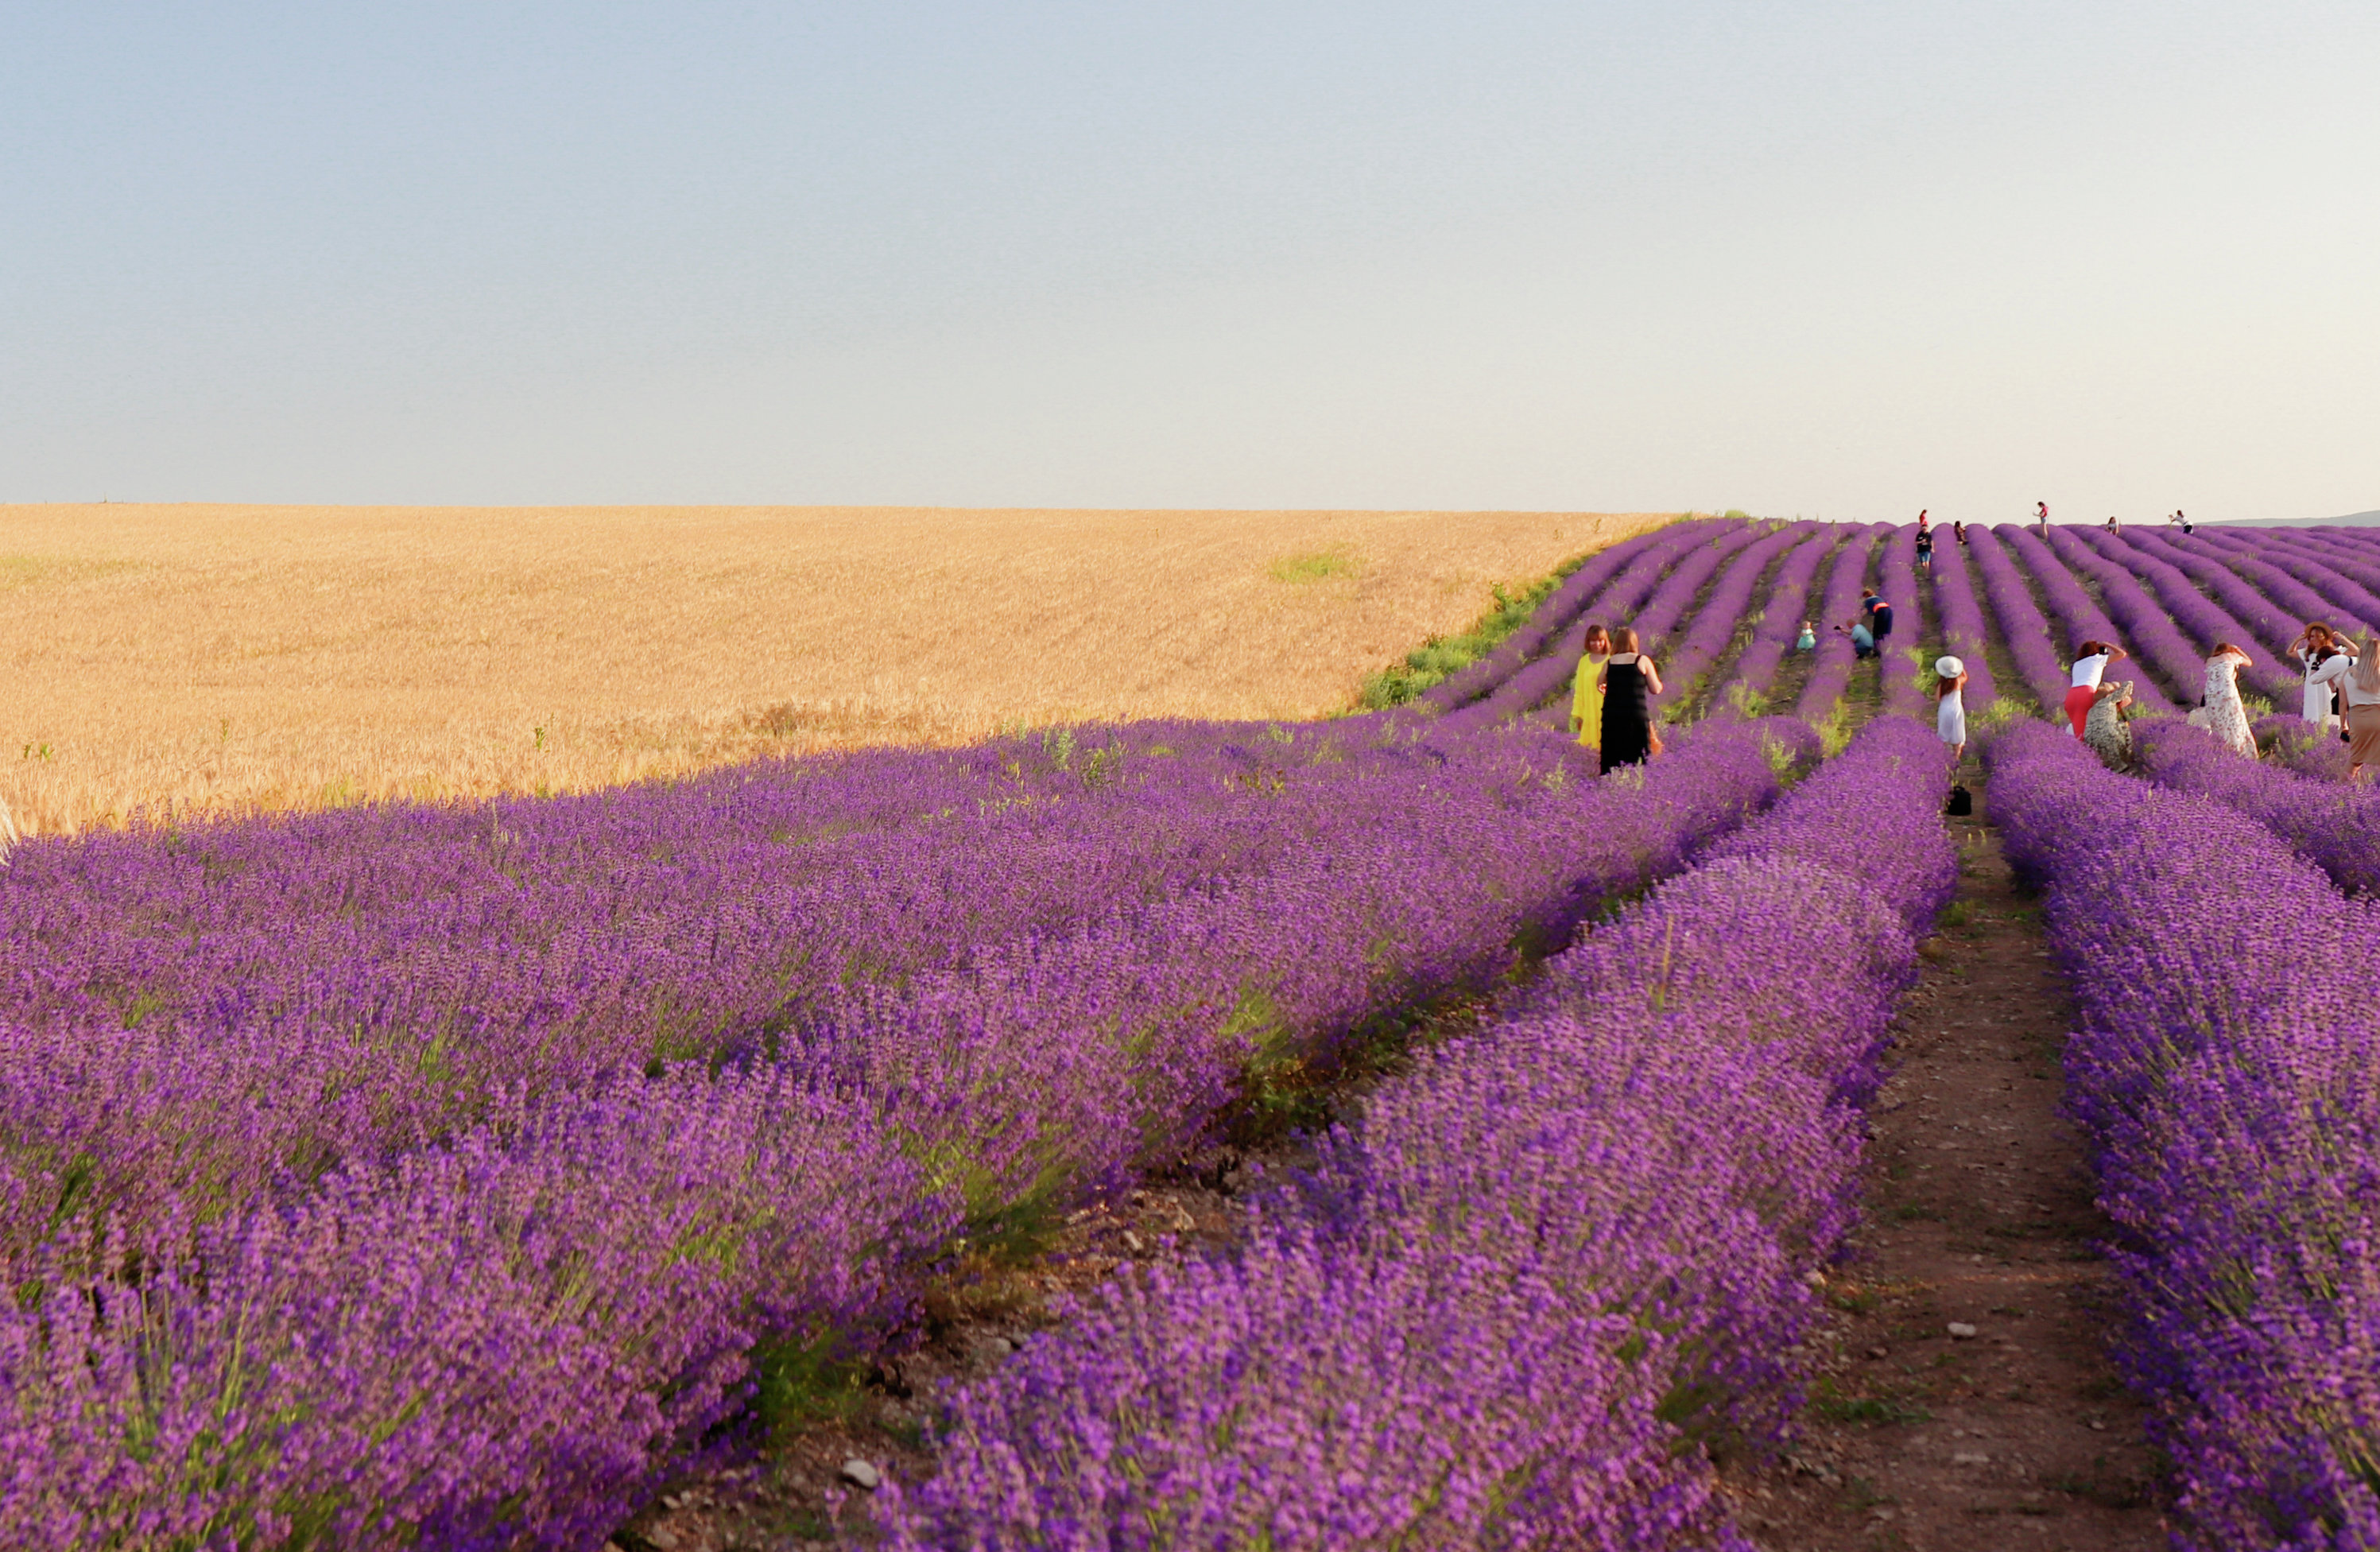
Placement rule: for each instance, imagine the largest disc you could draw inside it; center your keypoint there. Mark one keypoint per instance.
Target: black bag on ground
(1962, 804)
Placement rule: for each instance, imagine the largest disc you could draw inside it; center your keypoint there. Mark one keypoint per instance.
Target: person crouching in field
(2091, 660)
(1587, 688)
(2106, 729)
(1879, 618)
(1863, 640)
(1627, 685)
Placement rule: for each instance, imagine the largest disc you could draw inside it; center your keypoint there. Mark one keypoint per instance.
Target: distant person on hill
(1587, 688)
(1958, 531)
(1627, 684)
(1807, 640)
(2109, 729)
(1924, 523)
(2315, 646)
(2091, 660)
(2221, 713)
(2040, 515)
(1925, 549)
(2178, 520)
(2111, 522)
(1951, 705)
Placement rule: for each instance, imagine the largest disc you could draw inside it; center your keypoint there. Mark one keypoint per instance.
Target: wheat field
(209, 658)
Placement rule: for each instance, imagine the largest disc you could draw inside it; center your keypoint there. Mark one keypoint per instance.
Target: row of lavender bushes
(2225, 1072)
(1774, 633)
(1830, 671)
(1514, 1304)
(1653, 602)
(1964, 631)
(1628, 570)
(2194, 619)
(1904, 667)
(2073, 611)
(190, 1017)
(2331, 824)
(507, 1334)
(1725, 613)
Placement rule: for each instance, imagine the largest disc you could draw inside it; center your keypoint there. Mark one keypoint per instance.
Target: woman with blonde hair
(2359, 678)
(1627, 684)
(1587, 688)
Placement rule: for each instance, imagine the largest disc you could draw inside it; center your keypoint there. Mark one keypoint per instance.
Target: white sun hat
(1949, 667)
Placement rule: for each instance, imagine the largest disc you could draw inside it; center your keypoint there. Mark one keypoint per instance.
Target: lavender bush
(2199, 620)
(2246, 559)
(2224, 1073)
(2146, 629)
(1503, 1309)
(1830, 673)
(2270, 626)
(506, 1329)
(2333, 824)
(1608, 587)
(2077, 618)
(2030, 640)
(1789, 604)
(1724, 615)
(1963, 627)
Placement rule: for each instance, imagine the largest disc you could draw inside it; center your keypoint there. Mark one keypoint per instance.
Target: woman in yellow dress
(1585, 694)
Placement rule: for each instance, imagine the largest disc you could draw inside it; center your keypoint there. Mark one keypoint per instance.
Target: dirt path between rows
(2007, 1428)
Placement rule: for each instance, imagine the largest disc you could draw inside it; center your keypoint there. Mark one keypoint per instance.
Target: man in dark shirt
(1880, 618)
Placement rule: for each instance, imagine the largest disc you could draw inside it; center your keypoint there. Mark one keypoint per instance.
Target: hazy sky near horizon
(1838, 260)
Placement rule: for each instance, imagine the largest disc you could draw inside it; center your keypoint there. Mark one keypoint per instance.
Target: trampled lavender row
(1504, 1308)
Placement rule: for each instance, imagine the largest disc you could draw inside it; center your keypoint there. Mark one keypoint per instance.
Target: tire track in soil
(1978, 1211)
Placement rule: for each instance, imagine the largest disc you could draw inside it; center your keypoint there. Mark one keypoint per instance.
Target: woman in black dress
(1628, 682)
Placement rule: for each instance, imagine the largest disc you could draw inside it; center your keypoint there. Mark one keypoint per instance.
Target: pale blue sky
(1835, 259)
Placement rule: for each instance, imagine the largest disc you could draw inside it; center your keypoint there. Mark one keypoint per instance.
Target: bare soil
(2007, 1429)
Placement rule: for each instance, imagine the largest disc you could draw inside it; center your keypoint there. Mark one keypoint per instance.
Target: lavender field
(453, 1175)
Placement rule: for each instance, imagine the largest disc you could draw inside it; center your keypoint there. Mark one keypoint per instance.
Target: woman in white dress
(1951, 713)
(2316, 645)
(2223, 715)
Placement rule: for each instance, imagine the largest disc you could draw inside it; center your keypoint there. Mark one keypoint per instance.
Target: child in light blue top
(1807, 640)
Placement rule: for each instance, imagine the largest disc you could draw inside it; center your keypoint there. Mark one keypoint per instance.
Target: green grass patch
(1509, 609)
(1317, 565)
(1828, 1402)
